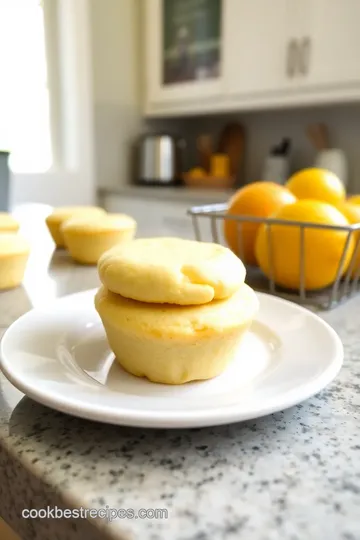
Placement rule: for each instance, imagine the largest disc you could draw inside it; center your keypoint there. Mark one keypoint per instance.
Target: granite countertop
(293, 475)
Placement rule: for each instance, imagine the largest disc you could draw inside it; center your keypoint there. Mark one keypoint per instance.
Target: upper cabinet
(223, 55)
(183, 53)
(329, 44)
(260, 53)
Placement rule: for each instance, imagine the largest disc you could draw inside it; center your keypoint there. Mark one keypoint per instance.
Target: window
(24, 94)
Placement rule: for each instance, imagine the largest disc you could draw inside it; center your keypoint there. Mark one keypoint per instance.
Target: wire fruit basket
(208, 223)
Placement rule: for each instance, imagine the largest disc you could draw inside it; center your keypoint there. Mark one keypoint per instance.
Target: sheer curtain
(24, 95)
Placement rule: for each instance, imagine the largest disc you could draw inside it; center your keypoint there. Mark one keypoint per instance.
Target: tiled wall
(266, 128)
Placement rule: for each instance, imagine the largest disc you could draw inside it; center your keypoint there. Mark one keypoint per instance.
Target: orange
(260, 199)
(352, 213)
(323, 248)
(318, 184)
(354, 199)
(350, 210)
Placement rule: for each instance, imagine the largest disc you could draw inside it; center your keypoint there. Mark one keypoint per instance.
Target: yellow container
(220, 165)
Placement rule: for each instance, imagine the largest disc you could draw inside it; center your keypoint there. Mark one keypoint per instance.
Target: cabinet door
(260, 51)
(330, 50)
(182, 66)
(148, 214)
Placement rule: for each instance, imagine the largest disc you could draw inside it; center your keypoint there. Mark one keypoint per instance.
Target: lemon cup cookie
(14, 253)
(171, 270)
(174, 344)
(87, 238)
(8, 223)
(61, 214)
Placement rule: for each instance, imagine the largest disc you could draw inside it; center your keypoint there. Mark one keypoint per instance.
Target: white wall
(115, 49)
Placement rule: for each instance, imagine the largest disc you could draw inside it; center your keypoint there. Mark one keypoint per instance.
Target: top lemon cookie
(171, 271)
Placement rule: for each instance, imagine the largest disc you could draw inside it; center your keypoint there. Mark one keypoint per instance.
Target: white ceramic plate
(59, 356)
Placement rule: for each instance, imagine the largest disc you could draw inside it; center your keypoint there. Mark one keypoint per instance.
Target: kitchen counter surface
(192, 196)
(293, 475)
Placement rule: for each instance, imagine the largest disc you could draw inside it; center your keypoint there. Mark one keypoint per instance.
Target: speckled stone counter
(290, 476)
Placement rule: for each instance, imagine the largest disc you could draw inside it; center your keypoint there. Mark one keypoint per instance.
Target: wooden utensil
(319, 136)
(232, 143)
(204, 146)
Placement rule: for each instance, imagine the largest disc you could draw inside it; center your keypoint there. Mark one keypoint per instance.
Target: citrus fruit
(352, 214)
(354, 199)
(350, 210)
(318, 184)
(323, 248)
(260, 199)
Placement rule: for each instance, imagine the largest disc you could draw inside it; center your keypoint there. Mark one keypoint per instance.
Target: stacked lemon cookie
(14, 252)
(174, 310)
(88, 231)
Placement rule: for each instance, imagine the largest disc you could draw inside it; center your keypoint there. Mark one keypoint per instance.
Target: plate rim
(174, 419)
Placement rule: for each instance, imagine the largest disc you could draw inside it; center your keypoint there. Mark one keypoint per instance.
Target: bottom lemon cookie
(14, 253)
(175, 344)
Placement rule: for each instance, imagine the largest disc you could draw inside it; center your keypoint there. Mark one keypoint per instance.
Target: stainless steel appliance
(4, 182)
(159, 159)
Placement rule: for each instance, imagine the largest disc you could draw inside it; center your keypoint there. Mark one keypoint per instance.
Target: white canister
(334, 160)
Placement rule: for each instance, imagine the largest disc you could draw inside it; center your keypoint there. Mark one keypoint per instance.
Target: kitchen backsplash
(266, 128)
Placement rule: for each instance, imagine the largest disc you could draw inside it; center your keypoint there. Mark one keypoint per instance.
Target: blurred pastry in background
(8, 223)
(61, 214)
(87, 238)
(14, 254)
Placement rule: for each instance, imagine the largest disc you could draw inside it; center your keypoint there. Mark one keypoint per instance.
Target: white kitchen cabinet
(153, 217)
(162, 94)
(261, 50)
(273, 53)
(329, 44)
(148, 214)
(159, 217)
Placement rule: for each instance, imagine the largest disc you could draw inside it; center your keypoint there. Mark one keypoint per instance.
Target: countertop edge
(33, 491)
(174, 194)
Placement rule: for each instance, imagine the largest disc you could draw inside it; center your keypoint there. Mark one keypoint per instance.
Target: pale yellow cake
(8, 223)
(14, 253)
(174, 344)
(87, 238)
(55, 220)
(171, 270)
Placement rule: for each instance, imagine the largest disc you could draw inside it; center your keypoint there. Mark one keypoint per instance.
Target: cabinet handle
(291, 58)
(304, 57)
